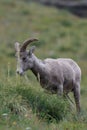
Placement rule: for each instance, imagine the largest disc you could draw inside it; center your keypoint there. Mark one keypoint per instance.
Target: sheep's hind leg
(76, 92)
(72, 105)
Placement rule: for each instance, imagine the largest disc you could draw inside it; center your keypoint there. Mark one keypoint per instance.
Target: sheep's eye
(24, 59)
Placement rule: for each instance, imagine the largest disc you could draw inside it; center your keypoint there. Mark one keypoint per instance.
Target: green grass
(60, 34)
(24, 103)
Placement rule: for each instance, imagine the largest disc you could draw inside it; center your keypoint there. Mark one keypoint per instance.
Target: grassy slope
(60, 35)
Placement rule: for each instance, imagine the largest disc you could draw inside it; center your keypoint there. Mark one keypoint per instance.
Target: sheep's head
(24, 57)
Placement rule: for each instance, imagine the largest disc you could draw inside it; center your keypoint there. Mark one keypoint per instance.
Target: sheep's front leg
(60, 90)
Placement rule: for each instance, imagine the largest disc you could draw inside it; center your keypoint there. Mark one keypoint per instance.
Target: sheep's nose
(19, 72)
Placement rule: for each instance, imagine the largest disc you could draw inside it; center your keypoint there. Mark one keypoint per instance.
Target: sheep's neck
(38, 67)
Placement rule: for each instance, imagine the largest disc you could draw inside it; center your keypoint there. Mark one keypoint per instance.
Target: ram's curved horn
(26, 43)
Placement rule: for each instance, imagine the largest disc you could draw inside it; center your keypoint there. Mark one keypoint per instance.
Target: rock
(77, 7)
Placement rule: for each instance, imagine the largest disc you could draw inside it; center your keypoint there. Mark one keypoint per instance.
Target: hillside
(60, 34)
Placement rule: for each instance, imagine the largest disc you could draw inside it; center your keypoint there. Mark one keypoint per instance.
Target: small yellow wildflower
(14, 123)
(26, 115)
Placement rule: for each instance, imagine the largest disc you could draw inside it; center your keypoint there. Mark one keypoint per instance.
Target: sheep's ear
(17, 46)
(31, 50)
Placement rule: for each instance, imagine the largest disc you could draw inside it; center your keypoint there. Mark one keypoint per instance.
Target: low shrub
(46, 106)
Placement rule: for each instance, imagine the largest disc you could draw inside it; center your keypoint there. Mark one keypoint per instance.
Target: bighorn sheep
(60, 75)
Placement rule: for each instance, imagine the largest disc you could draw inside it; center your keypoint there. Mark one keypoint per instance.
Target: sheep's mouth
(20, 73)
